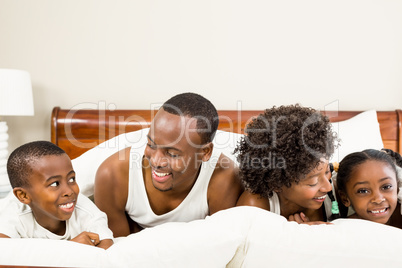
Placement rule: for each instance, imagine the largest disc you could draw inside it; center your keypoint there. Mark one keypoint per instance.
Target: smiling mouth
(379, 211)
(160, 177)
(159, 174)
(67, 206)
(320, 197)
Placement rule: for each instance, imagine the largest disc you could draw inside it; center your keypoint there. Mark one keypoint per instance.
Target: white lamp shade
(15, 93)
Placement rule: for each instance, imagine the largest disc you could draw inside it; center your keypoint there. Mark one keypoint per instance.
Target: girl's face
(311, 191)
(372, 191)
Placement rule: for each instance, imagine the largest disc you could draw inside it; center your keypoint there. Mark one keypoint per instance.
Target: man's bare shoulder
(255, 200)
(224, 186)
(226, 173)
(115, 165)
(226, 165)
(112, 174)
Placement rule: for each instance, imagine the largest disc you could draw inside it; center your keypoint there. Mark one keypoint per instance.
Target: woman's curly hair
(281, 146)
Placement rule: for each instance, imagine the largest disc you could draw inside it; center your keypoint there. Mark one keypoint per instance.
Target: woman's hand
(302, 218)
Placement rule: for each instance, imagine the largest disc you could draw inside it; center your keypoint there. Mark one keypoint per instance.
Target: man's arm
(225, 186)
(4, 236)
(111, 191)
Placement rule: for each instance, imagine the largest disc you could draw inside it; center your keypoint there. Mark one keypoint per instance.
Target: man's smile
(160, 177)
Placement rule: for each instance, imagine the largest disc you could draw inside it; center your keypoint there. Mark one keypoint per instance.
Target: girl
(284, 163)
(367, 182)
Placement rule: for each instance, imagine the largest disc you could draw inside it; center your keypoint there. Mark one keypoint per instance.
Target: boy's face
(174, 151)
(311, 191)
(372, 191)
(52, 191)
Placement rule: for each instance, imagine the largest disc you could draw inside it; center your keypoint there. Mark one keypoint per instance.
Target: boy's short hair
(195, 106)
(281, 146)
(19, 164)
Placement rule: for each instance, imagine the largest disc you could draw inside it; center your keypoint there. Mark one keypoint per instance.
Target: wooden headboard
(77, 131)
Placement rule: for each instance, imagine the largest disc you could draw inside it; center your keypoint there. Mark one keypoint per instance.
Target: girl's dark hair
(396, 156)
(281, 146)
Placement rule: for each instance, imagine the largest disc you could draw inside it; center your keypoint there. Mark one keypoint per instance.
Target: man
(176, 176)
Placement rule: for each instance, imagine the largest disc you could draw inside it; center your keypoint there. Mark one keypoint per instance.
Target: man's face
(174, 151)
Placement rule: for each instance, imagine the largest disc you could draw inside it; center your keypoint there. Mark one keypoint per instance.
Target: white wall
(253, 54)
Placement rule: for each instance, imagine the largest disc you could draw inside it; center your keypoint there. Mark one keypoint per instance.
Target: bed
(237, 237)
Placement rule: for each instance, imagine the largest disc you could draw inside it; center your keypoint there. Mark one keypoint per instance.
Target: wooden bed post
(399, 132)
(53, 133)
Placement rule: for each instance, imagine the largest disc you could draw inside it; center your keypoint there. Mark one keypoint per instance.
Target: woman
(284, 163)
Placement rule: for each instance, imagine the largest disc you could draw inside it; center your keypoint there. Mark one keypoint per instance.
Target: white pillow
(357, 134)
(226, 142)
(86, 165)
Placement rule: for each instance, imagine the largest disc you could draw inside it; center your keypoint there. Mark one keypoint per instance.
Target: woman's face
(372, 191)
(311, 191)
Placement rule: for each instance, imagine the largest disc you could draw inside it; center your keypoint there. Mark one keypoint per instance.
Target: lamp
(15, 99)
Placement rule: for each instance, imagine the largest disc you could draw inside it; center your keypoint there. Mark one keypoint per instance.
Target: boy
(177, 177)
(46, 201)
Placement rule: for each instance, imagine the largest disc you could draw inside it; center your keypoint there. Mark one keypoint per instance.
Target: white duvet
(237, 237)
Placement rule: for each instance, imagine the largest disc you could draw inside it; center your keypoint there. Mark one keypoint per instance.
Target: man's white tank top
(193, 207)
